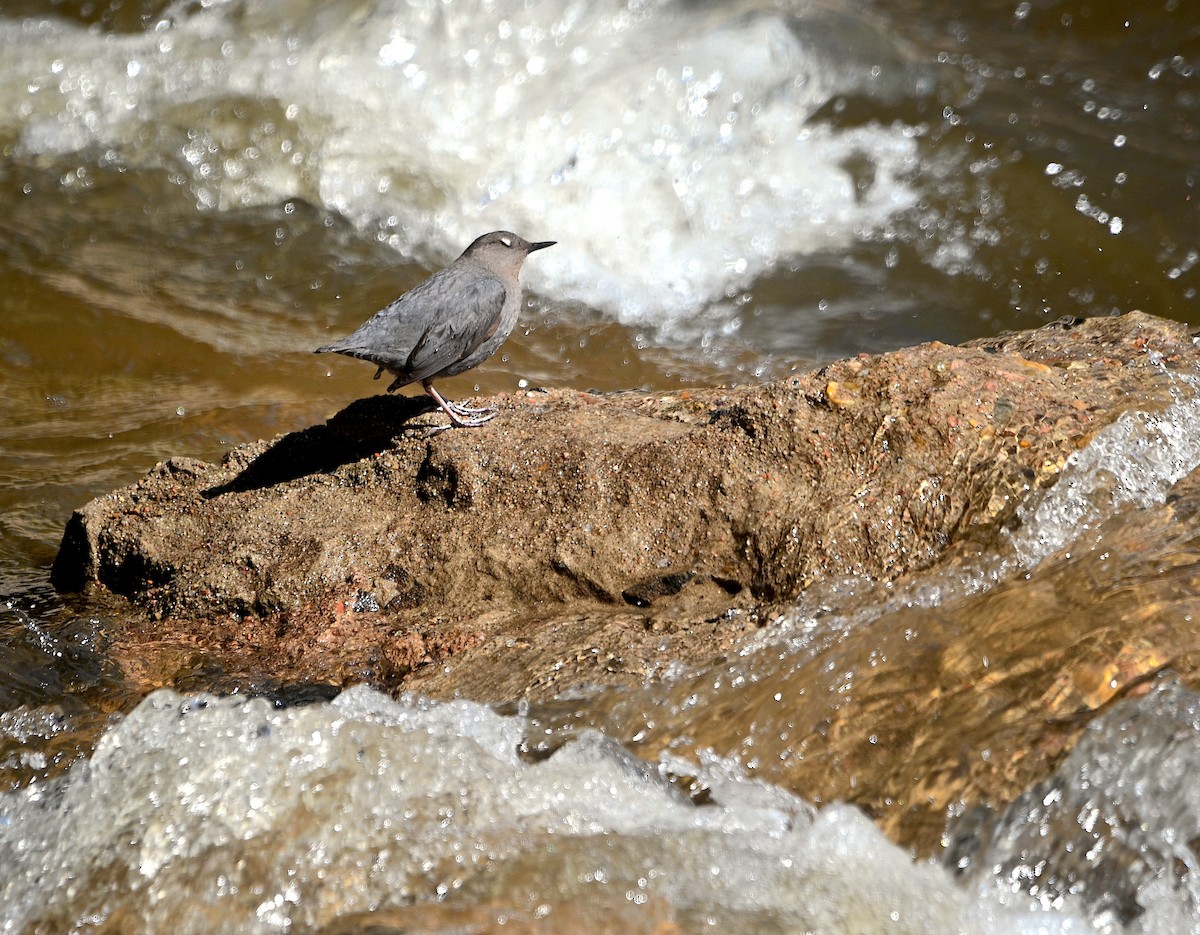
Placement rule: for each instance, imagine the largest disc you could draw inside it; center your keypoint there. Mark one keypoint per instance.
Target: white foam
(198, 814)
(668, 148)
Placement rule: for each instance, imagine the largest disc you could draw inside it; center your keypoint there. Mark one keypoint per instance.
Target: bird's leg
(458, 408)
(462, 416)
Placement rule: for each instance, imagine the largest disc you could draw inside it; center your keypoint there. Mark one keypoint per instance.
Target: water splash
(1132, 462)
(673, 150)
(1113, 830)
(205, 814)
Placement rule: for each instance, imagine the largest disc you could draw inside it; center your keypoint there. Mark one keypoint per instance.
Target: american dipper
(453, 321)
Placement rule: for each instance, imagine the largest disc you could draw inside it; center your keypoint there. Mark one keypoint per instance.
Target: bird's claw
(472, 421)
(467, 411)
(463, 416)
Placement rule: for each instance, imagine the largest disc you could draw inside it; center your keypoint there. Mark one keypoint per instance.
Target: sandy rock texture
(583, 512)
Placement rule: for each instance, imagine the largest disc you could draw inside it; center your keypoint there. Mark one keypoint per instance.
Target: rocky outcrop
(582, 540)
(867, 466)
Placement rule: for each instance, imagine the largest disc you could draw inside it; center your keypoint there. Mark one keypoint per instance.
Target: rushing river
(196, 194)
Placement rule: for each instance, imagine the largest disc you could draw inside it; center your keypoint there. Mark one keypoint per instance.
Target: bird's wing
(429, 328)
(465, 322)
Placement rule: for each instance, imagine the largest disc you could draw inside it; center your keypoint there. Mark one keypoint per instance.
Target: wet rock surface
(581, 540)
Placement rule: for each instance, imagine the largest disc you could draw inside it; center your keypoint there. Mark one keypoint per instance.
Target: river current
(195, 194)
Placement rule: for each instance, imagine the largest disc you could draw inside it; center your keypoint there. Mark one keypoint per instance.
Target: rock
(867, 466)
(583, 540)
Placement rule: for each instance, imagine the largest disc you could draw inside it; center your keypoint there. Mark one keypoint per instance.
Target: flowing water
(195, 194)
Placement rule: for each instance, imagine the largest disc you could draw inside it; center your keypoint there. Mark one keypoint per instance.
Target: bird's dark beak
(542, 245)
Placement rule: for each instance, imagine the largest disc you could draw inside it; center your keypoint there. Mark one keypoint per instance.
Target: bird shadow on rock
(364, 428)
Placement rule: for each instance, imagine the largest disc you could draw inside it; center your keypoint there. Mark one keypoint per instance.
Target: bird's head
(503, 250)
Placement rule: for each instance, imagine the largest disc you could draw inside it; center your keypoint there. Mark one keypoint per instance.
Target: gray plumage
(453, 321)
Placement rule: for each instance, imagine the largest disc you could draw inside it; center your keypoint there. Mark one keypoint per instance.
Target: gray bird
(453, 321)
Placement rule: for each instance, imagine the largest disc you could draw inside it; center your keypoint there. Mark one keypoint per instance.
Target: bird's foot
(462, 416)
(467, 411)
(464, 421)
(459, 421)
